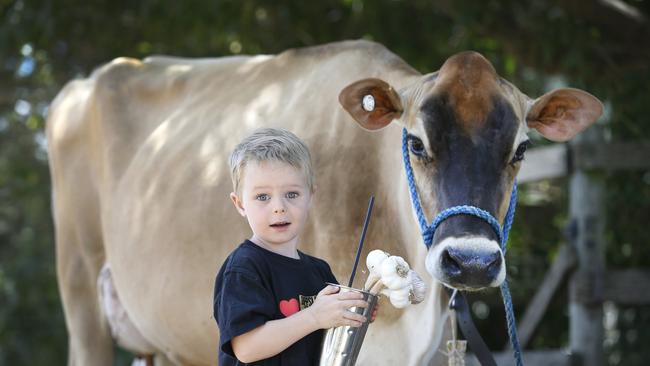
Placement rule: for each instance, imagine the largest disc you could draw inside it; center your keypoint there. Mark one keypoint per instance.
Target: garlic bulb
(392, 276)
(418, 288)
(394, 272)
(400, 298)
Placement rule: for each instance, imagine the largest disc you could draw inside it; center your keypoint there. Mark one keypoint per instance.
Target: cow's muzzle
(467, 263)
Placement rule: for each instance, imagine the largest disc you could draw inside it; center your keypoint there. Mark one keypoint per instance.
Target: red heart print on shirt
(289, 307)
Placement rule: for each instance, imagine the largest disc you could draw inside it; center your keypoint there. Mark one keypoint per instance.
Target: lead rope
(429, 230)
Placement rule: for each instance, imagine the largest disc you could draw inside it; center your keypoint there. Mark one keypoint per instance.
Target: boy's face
(275, 199)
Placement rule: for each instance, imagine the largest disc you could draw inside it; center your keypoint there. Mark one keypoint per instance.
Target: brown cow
(138, 160)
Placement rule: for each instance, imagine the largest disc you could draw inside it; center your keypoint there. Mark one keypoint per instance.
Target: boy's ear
(238, 204)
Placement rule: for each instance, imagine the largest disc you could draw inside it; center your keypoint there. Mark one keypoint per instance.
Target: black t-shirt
(255, 285)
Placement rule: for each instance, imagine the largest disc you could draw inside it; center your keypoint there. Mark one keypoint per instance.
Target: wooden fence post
(586, 286)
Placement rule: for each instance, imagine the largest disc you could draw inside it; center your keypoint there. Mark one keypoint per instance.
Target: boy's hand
(330, 309)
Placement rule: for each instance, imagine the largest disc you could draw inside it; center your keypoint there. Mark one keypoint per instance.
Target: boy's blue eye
(262, 197)
(293, 195)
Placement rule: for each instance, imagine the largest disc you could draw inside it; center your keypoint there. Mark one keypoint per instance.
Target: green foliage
(30, 316)
(585, 44)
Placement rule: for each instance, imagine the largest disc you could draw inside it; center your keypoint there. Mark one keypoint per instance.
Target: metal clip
(452, 300)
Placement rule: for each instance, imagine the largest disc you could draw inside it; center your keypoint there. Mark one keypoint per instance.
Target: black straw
(363, 237)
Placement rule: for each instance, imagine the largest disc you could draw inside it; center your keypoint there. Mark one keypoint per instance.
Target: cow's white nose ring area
(467, 263)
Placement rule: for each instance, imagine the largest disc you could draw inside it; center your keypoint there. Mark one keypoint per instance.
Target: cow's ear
(372, 103)
(563, 113)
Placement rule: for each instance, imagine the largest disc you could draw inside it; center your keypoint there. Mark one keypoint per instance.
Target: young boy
(264, 289)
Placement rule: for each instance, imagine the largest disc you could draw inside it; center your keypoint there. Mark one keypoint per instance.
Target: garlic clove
(394, 272)
(400, 298)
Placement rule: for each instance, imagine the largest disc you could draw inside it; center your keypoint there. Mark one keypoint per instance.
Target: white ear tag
(368, 103)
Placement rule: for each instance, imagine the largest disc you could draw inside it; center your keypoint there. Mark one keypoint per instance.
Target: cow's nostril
(494, 260)
(451, 265)
(494, 264)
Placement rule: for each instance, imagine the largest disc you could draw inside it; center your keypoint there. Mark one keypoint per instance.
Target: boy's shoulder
(245, 258)
(245, 252)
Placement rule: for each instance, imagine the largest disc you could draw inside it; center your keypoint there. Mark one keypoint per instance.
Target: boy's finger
(350, 296)
(354, 316)
(352, 323)
(355, 303)
(328, 290)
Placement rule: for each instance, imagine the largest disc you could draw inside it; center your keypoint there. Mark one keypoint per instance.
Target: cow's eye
(519, 154)
(416, 146)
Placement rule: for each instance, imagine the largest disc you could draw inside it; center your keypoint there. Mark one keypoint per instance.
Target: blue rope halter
(428, 231)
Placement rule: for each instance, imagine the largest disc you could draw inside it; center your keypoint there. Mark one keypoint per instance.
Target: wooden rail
(627, 287)
(555, 161)
(611, 155)
(544, 163)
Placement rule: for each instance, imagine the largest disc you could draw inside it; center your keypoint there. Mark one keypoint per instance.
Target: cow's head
(467, 134)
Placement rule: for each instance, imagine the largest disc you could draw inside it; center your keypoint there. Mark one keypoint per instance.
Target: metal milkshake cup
(341, 345)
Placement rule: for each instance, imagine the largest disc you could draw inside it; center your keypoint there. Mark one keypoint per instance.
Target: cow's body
(138, 157)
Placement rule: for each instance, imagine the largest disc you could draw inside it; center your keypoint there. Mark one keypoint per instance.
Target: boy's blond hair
(270, 144)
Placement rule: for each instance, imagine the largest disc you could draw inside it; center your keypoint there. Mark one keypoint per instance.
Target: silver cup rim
(350, 288)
